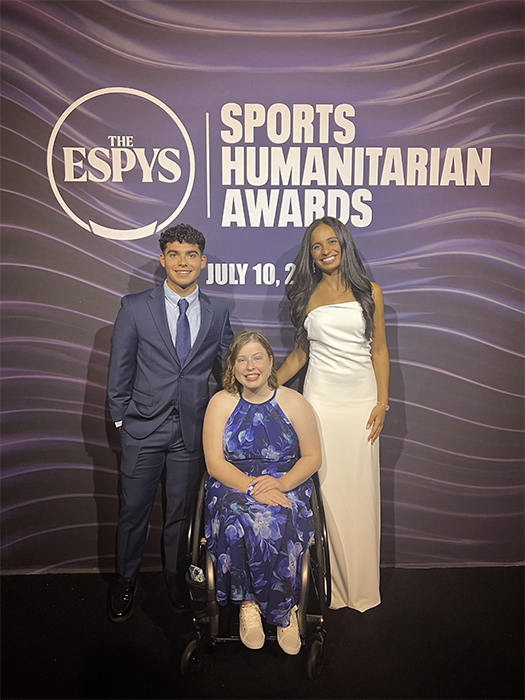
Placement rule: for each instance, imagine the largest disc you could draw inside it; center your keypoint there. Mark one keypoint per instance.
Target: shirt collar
(174, 297)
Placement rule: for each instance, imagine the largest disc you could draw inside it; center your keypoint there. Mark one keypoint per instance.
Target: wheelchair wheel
(315, 658)
(191, 658)
(322, 578)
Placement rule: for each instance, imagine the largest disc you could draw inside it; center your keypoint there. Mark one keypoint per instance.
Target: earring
(313, 267)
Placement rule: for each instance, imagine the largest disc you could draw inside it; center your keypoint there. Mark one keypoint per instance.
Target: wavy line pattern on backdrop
(450, 260)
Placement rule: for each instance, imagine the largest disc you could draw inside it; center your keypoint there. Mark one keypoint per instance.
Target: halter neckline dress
(257, 548)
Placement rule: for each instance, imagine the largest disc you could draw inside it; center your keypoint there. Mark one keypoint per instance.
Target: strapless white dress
(341, 386)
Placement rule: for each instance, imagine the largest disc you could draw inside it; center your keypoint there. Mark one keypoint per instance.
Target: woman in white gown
(339, 320)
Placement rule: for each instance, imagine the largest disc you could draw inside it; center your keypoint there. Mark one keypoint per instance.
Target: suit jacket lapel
(206, 319)
(157, 306)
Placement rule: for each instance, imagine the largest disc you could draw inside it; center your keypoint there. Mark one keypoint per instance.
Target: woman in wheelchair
(261, 445)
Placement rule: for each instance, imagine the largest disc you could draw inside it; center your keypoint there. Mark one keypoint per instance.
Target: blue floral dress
(257, 548)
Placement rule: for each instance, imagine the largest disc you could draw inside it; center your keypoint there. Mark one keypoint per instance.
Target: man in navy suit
(165, 344)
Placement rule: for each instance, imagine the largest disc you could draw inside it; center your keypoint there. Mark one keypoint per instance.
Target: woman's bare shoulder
(376, 290)
(289, 399)
(223, 400)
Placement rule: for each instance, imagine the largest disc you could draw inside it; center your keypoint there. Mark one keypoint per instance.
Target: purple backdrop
(247, 120)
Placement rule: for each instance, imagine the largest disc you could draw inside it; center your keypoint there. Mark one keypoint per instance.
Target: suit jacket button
(181, 376)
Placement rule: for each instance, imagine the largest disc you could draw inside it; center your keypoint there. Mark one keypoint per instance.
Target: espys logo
(119, 161)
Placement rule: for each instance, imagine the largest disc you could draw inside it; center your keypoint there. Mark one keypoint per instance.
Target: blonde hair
(229, 383)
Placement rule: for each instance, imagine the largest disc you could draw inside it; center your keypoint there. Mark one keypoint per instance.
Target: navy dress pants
(142, 466)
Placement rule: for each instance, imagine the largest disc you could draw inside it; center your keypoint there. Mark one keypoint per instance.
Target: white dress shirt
(193, 312)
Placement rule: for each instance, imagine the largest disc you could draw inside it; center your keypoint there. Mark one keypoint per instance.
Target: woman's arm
(302, 417)
(295, 361)
(219, 410)
(381, 365)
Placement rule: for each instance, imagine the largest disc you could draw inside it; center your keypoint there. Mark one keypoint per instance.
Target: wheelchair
(214, 624)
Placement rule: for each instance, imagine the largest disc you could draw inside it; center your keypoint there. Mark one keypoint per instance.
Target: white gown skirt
(340, 384)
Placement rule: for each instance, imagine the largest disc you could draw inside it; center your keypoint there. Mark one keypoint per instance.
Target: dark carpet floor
(447, 633)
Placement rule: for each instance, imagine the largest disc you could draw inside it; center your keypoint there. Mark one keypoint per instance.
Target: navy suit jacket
(146, 380)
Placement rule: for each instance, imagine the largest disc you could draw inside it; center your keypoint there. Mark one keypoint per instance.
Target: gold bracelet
(386, 406)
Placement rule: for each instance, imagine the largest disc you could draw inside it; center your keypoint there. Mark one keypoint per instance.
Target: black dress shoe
(122, 599)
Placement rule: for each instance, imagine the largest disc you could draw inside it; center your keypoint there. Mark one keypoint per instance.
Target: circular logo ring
(122, 234)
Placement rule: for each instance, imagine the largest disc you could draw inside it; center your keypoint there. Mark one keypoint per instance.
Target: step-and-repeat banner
(248, 120)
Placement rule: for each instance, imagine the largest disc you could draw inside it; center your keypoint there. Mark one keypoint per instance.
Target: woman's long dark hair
(305, 279)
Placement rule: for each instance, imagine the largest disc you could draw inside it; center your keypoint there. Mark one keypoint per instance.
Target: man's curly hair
(182, 233)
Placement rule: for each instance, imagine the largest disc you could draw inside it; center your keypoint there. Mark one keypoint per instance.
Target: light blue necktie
(183, 339)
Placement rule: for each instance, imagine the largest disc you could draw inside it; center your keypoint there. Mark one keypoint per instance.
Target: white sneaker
(250, 625)
(288, 638)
